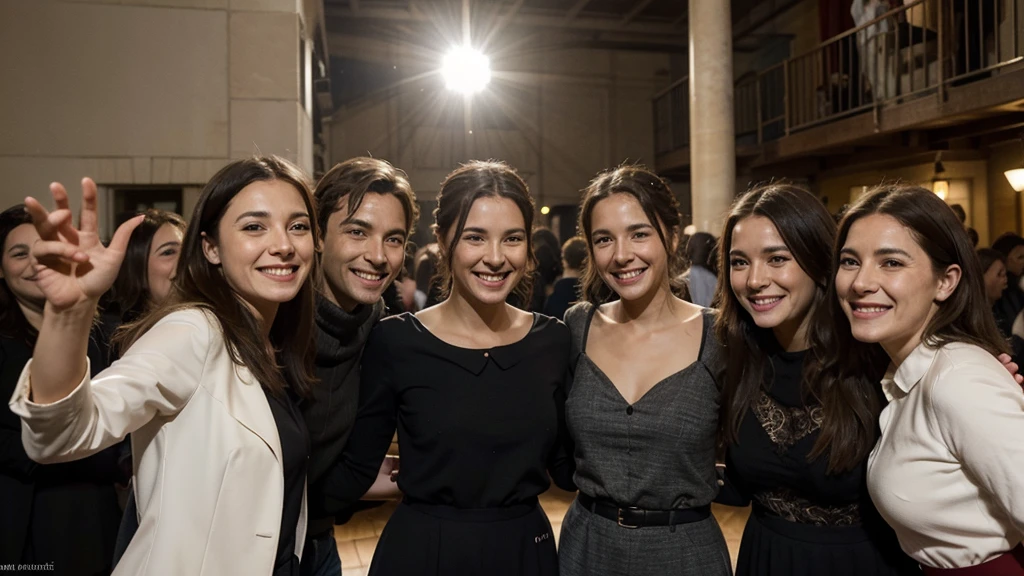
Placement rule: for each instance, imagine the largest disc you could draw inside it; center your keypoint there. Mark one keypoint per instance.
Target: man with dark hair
(565, 292)
(366, 211)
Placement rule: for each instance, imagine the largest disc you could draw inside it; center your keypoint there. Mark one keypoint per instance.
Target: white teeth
(365, 276)
(871, 309)
(766, 301)
(277, 271)
(492, 277)
(628, 275)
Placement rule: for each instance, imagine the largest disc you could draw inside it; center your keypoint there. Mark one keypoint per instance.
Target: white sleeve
(156, 376)
(979, 410)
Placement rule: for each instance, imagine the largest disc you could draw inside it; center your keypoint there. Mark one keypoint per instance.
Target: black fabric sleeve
(355, 471)
(733, 492)
(562, 463)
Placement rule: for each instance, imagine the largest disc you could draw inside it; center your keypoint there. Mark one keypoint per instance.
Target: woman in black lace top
(797, 441)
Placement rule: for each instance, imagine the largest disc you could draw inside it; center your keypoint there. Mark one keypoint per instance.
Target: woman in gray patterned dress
(643, 408)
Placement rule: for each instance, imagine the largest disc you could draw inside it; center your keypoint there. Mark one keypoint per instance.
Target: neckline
(601, 373)
(533, 326)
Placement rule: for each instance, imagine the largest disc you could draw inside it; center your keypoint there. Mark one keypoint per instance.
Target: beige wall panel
(575, 144)
(31, 177)
(106, 80)
(264, 127)
(360, 132)
(634, 119)
(1004, 201)
(264, 55)
(208, 4)
(511, 146)
(142, 170)
(161, 170)
(584, 62)
(292, 6)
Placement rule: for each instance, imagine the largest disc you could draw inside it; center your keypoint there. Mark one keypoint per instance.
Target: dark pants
(320, 556)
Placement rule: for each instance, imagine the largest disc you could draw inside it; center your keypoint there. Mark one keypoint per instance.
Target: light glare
(466, 70)
(545, 210)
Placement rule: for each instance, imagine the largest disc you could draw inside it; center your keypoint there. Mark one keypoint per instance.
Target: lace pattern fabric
(787, 505)
(786, 426)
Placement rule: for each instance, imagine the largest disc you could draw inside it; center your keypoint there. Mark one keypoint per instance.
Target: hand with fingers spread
(75, 267)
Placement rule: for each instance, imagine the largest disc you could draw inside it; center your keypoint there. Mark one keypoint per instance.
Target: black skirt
(773, 546)
(433, 540)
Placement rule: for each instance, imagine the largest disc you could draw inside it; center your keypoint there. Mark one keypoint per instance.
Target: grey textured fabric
(658, 453)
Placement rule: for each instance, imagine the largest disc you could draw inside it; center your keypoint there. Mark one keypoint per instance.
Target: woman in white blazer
(946, 472)
(208, 382)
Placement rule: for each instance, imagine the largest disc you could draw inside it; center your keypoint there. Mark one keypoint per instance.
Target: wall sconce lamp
(1016, 176)
(940, 185)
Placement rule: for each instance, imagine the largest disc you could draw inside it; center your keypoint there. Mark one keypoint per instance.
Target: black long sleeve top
(477, 428)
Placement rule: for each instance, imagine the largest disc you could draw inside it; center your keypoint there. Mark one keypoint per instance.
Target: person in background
(549, 267)
(961, 215)
(147, 273)
(702, 277)
(66, 514)
(1010, 305)
(566, 290)
(993, 265)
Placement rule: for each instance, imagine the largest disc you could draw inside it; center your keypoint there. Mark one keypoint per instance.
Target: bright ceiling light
(466, 70)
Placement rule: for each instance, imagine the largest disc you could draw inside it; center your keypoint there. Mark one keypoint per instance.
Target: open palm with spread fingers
(74, 266)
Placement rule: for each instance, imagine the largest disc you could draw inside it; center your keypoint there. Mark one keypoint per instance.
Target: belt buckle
(621, 522)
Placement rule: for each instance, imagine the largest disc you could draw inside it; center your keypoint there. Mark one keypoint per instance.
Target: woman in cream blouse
(208, 385)
(948, 470)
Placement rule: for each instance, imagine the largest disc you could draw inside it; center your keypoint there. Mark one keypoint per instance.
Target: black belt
(632, 517)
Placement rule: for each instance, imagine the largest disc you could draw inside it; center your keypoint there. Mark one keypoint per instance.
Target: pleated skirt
(433, 540)
(773, 546)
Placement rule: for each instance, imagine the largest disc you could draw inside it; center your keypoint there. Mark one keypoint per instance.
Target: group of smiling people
(850, 378)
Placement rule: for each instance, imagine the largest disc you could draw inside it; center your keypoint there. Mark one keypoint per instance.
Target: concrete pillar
(712, 136)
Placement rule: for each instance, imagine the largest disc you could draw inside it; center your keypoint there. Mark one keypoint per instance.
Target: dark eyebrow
(774, 249)
(253, 214)
(630, 228)
(366, 225)
(849, 251)
(165, 244)
(17, 246)
(892, 252)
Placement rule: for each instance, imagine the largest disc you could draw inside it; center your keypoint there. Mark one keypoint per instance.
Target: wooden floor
(358, 538)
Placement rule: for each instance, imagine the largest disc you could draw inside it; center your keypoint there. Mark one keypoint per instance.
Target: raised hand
(74, 266)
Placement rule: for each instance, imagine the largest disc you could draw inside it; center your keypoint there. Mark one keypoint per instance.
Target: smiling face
(264, 245)
(17, 267)
(887, 286)
(492, 254)
(628, 253)
(164, 251)
(365, 251)
(768, 282)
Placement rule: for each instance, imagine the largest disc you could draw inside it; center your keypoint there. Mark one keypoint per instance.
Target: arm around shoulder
(156, 376)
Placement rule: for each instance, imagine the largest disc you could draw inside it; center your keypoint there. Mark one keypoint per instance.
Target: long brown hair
(200, 284)
(808, 230)
(460, 189)
(659, 205)
(129, 296)
(964, 316)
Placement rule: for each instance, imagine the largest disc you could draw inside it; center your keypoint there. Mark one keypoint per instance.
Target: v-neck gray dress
(656, 454)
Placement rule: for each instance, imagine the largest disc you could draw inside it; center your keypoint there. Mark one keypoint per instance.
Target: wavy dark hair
(964, 316)
(808, 230)
(13, 323)
(460, 189)
(353, 179)
(201, 284)
(129, 296)
(659, 205)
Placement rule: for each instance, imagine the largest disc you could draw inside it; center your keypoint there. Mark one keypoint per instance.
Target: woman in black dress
(476, 390)
(64, 514)
(797, 441)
